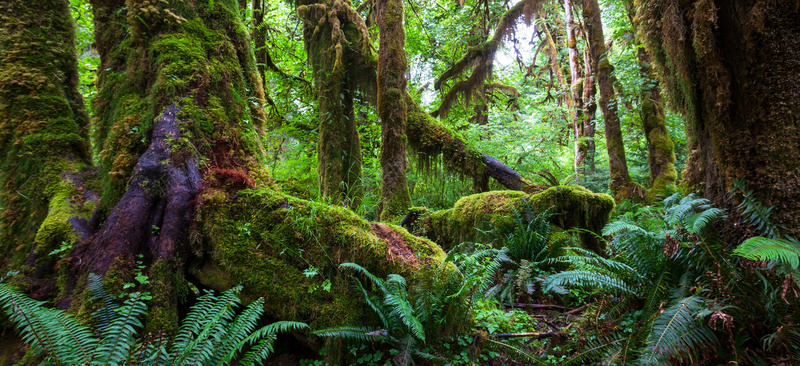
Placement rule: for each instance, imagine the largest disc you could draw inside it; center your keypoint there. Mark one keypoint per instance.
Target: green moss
(167, 286)
(43, 124)
(261, 233)
(571, 206)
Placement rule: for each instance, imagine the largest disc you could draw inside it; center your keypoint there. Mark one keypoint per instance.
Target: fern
(755, 213)
(678, 332)
(588, 280)
(781, 252)
(49, 332)
(211, 335)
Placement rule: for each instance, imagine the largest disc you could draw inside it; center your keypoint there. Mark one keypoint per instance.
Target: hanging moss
(570, 206)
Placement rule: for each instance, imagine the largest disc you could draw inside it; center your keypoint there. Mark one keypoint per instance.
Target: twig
(536, 335)
(535, 306)
(577, 310)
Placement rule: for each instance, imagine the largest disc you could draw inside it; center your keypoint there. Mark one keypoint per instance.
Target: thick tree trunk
(329, 30)
(731, 67)
(392, 66)
(620, 181)
(43, 135)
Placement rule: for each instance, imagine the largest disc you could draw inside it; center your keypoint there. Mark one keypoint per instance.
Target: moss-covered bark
(392, 67)
(620, 181)
(576, 91)
(571, 206)
(331, 32)
(589, 111)
(731, 68)
(43, 134)
(179, 114)
(661, 152)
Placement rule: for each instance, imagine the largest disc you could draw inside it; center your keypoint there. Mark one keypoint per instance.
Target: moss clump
(570, 206)
(288, 250)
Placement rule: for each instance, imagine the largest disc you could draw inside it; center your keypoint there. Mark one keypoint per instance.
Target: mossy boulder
(288, 251)
(570, 206)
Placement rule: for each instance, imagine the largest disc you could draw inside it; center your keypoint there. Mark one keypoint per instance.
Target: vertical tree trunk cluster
(392, 66)
(620, 181)
(731, 68)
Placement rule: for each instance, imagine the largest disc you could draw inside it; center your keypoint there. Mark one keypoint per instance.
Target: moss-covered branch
(481, 58)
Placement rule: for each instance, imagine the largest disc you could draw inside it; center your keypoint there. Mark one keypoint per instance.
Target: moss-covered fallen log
(570, 207)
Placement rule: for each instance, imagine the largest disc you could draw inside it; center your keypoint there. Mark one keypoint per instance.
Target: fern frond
(588, 280)
(621, 227)
(705, 217)
(783, 252)
(115, 347)
(97, 292)
(676, 333)
(212, 329)
(363, 334)
(236, 333)
(401, 309)
(49, 331)
(264, 338)
(597, 349)
(377, 281)
(516, 350)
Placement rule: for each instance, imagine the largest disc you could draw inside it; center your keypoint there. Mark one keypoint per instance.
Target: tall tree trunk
(731, 68)
(576, 90)
(392, 66)
(620, 181)
(43, 134)
(589, 112)
(661, 154)
(329, 30)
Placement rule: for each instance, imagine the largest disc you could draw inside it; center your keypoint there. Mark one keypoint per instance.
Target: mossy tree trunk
(620, 181)
(392, 66)
(731, 68)
(183, 188)
(576, 91)
(331, 29)
(43, 135)
(589, 112)
(661, 151)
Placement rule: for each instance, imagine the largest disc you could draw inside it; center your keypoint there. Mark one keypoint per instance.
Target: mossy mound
(288, 251)
(570, 206)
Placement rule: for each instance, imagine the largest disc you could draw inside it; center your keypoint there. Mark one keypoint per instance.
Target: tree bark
(661, 154)
(392, 66)
(620, 181)
(731, 68)
(329, 29)
(44, 140)
(589, 112)
(576, 90)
